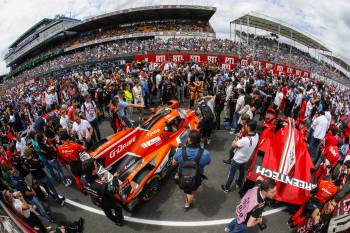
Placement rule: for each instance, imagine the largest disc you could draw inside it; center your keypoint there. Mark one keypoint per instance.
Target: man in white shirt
(239, 105)
(297, 104)
(158, 81)
(319, 125)
(243, 150)
(84, 130)
(20, 143)
(64, 120)
(278, 99)
(83, 87)
(90, 111)
(328, 115)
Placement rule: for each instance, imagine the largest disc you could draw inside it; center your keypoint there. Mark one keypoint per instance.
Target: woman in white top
(17, 203)
(138, 99)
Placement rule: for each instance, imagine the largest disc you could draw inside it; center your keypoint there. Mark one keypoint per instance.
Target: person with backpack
(243, 149)
(220, 99)
(205, 111)
(191, 160)
(250, 208)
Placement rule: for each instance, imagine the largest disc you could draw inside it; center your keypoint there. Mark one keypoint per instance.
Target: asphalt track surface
(165, 213)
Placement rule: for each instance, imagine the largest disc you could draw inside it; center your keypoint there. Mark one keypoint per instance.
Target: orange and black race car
(141, 157)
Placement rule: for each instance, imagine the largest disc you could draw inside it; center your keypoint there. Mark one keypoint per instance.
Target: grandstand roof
(266, 23)
(338, 61)
(30, 30)
(148, 13)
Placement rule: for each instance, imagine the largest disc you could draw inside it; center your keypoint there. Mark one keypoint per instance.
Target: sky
(328, 21)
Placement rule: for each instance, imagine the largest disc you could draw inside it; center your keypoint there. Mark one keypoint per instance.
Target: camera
(262, 226)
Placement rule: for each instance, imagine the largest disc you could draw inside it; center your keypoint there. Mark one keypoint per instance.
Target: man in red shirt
(68, 153)
(71, 111)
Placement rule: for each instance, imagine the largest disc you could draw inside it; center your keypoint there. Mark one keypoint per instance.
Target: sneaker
(49, 228)
(67, 182)
(224, 189)
(187, 206)
(226, 229)
(232, 131)
(237, 187)
(227, 161)
(61, 201)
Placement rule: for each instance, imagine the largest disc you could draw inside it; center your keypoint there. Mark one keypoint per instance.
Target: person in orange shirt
(68, 153)
(326, 189)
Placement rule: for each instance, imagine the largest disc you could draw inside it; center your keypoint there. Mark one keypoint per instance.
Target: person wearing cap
(89, 108)
(243, 149)
(68, 153)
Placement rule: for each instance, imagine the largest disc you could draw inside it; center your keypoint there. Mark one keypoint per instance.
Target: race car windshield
(148, 125)
(125, 166)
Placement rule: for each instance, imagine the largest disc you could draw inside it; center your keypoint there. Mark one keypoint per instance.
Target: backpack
(190, 177)
(206, 112)
(248, 203)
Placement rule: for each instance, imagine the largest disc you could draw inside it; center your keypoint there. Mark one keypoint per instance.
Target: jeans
(97, 134)
(129, 111)
(233, 168)
(181, 93)
(39, 207)
(127, 121)
(146, 98)
(235, 120)
(314, 148)
(49, 188)
(217, 117)
(57, 167)
(47, 166)
(235, 227)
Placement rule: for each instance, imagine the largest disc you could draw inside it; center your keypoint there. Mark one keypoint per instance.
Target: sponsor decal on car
(122, 147)
(285, 178)
(150, 134)
(151, 142)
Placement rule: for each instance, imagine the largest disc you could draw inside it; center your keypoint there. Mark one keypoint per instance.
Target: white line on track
(169, 223)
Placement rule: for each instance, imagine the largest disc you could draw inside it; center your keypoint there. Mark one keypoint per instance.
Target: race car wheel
(151, 189)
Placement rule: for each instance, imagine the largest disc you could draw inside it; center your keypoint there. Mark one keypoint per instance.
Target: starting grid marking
(169, 223)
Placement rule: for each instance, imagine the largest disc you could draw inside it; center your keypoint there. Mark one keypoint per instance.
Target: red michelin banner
(227, 62)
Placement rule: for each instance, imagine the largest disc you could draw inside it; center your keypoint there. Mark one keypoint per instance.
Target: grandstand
(325, 62)
(117, 38)
(52, 37)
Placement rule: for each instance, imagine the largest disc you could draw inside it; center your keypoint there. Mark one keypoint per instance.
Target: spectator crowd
(37, 121)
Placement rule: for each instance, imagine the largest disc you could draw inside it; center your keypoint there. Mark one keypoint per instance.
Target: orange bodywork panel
(137, 155)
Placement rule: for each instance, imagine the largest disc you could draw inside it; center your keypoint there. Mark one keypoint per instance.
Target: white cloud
(328, 20)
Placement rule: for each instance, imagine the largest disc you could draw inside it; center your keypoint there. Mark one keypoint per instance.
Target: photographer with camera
(102, 190)
(250, 208)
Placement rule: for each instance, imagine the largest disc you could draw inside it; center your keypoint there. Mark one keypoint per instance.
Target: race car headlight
(125, 190)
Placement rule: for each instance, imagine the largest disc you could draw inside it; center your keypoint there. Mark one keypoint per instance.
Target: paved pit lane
(212, 208)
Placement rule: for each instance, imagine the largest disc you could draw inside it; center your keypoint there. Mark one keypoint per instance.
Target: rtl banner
(227, 62)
